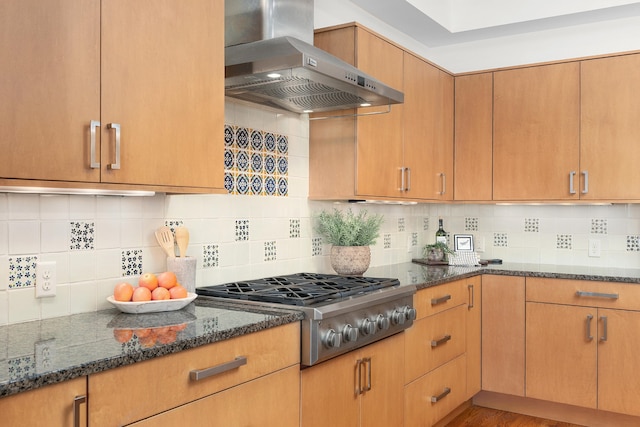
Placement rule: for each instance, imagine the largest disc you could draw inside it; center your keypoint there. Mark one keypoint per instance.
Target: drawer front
(433, 396)
(434, 340)
(433, 300)
(624, 296)
(130, 393)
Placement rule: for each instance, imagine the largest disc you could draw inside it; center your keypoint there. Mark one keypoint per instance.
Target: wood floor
(477, 416)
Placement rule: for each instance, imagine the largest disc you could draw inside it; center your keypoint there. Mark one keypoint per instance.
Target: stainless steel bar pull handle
(472, 297)
(572, 189)
(435, 399)
(586, 182)
(408, 179)
(367, 361)
(604, 328)
(116, 127)
(589, 337)
(93, 125)
(444, 339)
(79, 400)
(444, 183)
(596, 295)
(402, 183)
(200, 374)
(436, 301)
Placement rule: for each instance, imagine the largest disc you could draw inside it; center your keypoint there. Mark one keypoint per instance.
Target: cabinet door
(473, 175)
(162, 79)
(561, 354)
(503, 329)
(536, 132)
(474, 336)
(428, 130)
(618, 362)
(50, 88)
(610, 132)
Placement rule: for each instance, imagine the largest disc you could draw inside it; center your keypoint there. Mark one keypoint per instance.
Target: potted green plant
(437, 252)
(350, 235)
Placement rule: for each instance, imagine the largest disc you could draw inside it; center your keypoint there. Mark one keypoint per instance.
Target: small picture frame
(463, 242)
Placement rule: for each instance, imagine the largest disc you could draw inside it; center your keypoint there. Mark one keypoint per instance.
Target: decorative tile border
(132, 262)
(82, 235)
(22, 271)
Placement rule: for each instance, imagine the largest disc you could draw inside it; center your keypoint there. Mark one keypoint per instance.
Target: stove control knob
(367, 327)
(398, 317)
(412, 313)
(383, 322)
(349, 333)
(332, 339)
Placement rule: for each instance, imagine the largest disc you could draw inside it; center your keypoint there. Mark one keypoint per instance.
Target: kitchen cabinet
(167, 383)
(610, 107)
(581, 346)
(473, 166)
(536, 133)
(474, 336)
(112, 95)
(503, 334)
(65, 405)
(359, 388)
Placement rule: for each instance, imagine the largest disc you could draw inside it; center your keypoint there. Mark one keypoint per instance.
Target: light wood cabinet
(581, 346)
(503, 334)
(473, 165)
(151, 77)
(53, 405)
(162, 384)
(610, 132)
(536, 134)
(336, 392)
(474, 336)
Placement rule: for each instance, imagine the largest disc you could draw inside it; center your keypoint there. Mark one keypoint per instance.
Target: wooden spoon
(165, 240)
(182, 238)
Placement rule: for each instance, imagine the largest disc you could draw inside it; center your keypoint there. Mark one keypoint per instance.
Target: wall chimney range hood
(270, 60)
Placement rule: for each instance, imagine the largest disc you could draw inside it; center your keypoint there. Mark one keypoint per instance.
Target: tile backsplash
(97, 241)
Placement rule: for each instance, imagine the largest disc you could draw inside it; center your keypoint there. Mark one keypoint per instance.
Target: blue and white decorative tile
(500, 239)
(270, 251)
(316, 246)
(256, 185)
(283, 165)
(173, 224)
(242, 230)
(531, 225)
(242, 138)
(82, 235)
(229, 182)
(132, 262)
(283, 144)
(401, 226)
(598, 226)
(242, 160)
(270, 186)
(564, 241)
(294, 228)
(425, 224)
(22, 367)
(257, 140)
(22, 271)
(256, 163)
(270, 164)
(387, 241)
(210, 256)
(414, 239)
(270, 142)
(283, 186)
(229, 158)
(471, 224)
(242, 184)
(228, 135)
(633, 243)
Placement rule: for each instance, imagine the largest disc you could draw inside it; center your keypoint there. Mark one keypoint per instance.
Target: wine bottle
(441, 235)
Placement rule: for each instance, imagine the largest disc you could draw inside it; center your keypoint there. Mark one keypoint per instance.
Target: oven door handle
(200, 374)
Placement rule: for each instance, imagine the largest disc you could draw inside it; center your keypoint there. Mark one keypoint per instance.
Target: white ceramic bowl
(152, 306)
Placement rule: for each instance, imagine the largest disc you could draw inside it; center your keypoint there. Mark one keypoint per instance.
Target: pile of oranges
(151, 287)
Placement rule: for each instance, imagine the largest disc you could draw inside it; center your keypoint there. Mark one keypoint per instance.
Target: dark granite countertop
(87, 343)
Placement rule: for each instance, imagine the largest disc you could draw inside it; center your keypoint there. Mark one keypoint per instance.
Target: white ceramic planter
(350, 260)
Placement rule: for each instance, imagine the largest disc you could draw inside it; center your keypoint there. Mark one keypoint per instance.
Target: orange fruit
(122, 335)
(149, 281)
(167, 279)
(160, 293)
(123, 292)
(141, 294)
(178, 292)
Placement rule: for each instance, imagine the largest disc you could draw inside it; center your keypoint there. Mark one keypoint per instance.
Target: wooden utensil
(165, 240)
(182, 238)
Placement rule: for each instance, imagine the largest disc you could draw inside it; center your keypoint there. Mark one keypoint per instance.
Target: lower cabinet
(62, 404)
(474, 336)
(362, 388)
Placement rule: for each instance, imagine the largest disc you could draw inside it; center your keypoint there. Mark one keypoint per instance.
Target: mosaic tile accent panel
(270, 251)
(531, 225)
(294, 228)
(256, 162)
(82, 235)
(131, 262)
(471, 224)
(425, 224)
(22, 271)
(564, 241)
(414, 239)
(633, 243)
(598, 226)
(401, 225)
(210, 256)
(500, 239)
(387, 241)
(316, 246)
(242, 230)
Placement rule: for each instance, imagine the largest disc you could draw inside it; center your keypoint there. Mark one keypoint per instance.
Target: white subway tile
(24, 206)
(23, 305)
(54, 236)
(82, 266)
(24, 237)
(83, 297)
(53, 206)
(56, 306)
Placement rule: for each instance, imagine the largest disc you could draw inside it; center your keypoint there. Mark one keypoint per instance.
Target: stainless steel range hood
(269, 60)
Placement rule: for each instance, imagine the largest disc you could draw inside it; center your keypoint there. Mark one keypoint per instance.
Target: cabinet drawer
(439, 298)
(623, 296)
(130, 393)
(434, 340)
(433, 396)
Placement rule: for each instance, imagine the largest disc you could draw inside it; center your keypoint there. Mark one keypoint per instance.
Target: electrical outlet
(594, 248)
(46, 279)
(480, 244)
(45, 354)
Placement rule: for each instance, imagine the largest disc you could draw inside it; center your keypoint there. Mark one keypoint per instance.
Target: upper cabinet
(610, 131)
(112, 92)
(536, 133)
(405, 153)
